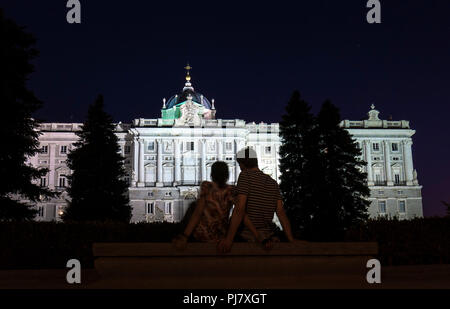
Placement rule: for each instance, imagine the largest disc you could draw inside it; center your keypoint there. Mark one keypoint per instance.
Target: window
(397, 179)
(395, 158)
(229, 146)
(168, 208)
(150, 194)
(168, 194)
(62, 181)
(399, 192)
(376, 146)
(40, 211)
(189, 146)
(229, 159)
(394, 147)
(44, 149)
(43, 182)
(381, 192)
(401, 207)
(378, 178)
(127, 149)
(382, 207)
(60, 210)
(268, 149)
(150, 209)
(151, 146)
(63, 150)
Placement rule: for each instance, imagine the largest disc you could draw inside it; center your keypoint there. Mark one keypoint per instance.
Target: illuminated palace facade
(167, 158)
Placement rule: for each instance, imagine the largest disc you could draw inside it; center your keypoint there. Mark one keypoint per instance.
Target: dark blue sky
(250, 56)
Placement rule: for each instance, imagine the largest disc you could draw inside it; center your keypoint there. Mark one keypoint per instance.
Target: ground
(393, 277)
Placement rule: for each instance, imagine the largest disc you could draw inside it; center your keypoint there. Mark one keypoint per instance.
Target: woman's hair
(220, 173)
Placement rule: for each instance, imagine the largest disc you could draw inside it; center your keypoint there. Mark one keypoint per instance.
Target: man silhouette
(258, 198)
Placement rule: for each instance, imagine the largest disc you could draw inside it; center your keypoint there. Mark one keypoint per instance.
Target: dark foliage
(18, 133)
(343, 186)
(408, 242)
(97, 189)
(447, 205)
(51, 245)
(298, 159)
(322, 182)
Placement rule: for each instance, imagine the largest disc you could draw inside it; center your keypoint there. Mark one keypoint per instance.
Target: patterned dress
(213, 224)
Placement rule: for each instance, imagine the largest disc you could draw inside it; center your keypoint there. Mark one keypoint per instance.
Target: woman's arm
(195, 218)
(180, 241)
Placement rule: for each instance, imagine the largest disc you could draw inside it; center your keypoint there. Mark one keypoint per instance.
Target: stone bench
(160, 265)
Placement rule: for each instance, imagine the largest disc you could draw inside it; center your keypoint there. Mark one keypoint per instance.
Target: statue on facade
(189, 114)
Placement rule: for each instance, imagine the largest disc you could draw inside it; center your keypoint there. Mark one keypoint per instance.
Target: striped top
(262, 195)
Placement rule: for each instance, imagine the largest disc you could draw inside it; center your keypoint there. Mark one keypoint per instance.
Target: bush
(51, 245)
(417, 241)
(34, 245)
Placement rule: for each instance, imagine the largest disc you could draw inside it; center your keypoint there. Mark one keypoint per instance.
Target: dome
(196, 97)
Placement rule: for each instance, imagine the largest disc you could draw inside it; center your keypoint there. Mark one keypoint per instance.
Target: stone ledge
(238, 249)
(160, 265)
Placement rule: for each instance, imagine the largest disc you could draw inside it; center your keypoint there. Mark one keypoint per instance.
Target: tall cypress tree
(97, 189)
(298, 157)
(447, 205)
(19, 134)
(344, 191)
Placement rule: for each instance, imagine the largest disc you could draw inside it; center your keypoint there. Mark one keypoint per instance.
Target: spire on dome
(188, 84)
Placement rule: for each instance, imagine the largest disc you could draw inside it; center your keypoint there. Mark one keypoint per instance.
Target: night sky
(250, 57)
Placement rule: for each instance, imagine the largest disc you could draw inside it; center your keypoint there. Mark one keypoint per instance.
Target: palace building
(167, 158)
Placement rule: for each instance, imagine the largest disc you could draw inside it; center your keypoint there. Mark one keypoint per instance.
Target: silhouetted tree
(19, 134)
(343, 185)
(298, 157)
(448, 207)
(97, 189)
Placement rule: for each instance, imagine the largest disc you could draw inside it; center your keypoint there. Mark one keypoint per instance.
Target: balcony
(400, 183)
(380, 183)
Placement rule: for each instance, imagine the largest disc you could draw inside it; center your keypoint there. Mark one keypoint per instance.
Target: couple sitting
(255, 198)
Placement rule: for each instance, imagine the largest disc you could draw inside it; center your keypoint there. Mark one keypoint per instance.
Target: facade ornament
(189, 114)
(373, 113)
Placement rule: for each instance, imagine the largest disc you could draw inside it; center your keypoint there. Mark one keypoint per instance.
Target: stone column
(51, 170)
(141, 178)
(407, 158)
(177, 162)
(203, 160)
(159, 159)
(135, 162)
(219, 149)
(237, 168)
(387, 162)
(369, 162)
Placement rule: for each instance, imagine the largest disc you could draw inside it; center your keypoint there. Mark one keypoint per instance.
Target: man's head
(247, 158)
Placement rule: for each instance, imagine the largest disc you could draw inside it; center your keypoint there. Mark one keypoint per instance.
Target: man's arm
(284, 221)
(236, 219)
(248, 223)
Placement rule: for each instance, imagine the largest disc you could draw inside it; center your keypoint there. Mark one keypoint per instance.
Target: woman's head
(220, 173)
